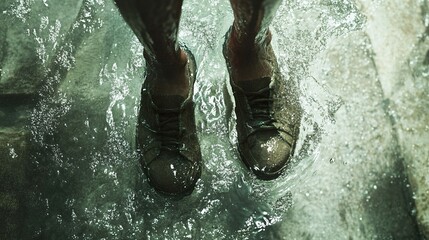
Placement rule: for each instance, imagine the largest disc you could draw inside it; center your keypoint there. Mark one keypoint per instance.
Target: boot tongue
(168, 101)
(169, 118)
(254, 85)
(258, 98)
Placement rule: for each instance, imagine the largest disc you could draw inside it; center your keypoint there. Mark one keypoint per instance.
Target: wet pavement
(69, 92)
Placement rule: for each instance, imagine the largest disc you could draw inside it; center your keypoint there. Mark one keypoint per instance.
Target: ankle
(241, 43)
(249, 61)
(171, 78)
(166, 62)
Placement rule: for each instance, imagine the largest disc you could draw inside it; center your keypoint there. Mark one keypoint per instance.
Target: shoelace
(260, 103)
(169, 132)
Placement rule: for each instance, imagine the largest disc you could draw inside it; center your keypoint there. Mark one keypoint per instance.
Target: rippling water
(88, 183)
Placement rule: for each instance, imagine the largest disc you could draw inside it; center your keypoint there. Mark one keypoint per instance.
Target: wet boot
(265, 141)
(167, 139)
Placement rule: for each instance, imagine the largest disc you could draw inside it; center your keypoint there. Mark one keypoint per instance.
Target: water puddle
(88, 183)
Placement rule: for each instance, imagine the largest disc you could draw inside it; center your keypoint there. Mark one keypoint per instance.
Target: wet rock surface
(400, 55)
(14, 188)
(24, 50)
(366, 197)
(413, 135)
(69, 166)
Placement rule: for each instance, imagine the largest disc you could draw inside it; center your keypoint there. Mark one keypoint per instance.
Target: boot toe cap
(268, 156)
(173, 174)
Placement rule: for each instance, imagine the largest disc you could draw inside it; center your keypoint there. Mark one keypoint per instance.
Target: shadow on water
(391, 198)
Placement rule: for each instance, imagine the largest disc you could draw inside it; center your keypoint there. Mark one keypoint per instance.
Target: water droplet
(12, 153)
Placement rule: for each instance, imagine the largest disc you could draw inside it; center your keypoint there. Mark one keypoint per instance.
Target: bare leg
(156, 23)
(250, 38)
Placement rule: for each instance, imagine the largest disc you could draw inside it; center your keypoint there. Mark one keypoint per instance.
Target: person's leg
(249, 41)
(166, 131)
(156, 23)
(265, 145)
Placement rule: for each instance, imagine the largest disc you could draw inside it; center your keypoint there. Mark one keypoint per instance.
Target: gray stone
(24, 53)
(401, 52)
(14, 160)
(409, 108)
(356, 189)
(20, 68)
(393, 33)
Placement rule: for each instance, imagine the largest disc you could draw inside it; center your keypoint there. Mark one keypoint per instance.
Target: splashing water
(88, 183)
